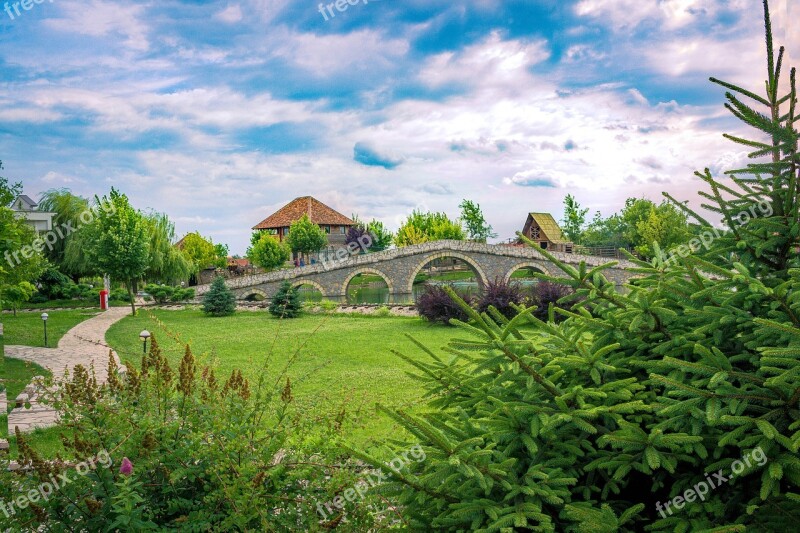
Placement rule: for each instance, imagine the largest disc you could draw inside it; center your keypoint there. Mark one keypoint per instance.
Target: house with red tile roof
(333, 223)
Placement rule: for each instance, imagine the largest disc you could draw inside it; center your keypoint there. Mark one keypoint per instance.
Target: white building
(24, 207)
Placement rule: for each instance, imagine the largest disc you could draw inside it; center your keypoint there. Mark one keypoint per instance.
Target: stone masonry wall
(400, 266)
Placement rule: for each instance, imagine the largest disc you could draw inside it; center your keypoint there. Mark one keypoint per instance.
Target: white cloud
(671, 14)
(493, 59)
(98, 18)
(325, 55)
(231, 14)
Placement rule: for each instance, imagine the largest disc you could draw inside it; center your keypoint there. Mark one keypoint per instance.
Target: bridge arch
(368, 270)
(252, 291)
(526, 264)
(301, 282)
(476, 268)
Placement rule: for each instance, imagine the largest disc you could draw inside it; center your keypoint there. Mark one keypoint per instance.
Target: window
(327, 229)
(535, 233)
(543, 244)
(342, 230)
(286, 231)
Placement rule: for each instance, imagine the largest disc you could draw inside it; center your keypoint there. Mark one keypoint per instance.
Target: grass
(47, 442)
(65, 304)
(18, 374)
(26, 329)
(344, 361)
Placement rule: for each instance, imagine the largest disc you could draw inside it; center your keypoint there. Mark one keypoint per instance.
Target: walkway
(82, 345)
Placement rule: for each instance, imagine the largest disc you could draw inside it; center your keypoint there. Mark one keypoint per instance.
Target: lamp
(45, 316)
(144, 335)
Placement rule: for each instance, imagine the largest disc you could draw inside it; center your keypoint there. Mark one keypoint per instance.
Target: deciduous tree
(267, 251)
(123, 248)
(305, 237)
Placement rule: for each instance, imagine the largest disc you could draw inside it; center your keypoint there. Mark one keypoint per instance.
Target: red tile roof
(318, 212)
(244, 263)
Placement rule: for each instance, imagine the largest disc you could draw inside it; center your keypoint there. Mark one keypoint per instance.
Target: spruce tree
(286, 302)
(643, 397)
(219, 300)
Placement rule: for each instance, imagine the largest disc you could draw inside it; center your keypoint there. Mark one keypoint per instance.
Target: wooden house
(543, 229)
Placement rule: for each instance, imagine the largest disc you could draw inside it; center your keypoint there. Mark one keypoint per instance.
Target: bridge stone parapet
(399, 267)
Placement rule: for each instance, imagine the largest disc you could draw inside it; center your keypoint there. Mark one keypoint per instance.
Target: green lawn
(66, 304)
(17, 375)
(342, 360)
(26, 328)
(46, 442)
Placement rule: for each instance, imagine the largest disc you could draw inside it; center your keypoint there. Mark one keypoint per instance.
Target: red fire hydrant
(103, 300)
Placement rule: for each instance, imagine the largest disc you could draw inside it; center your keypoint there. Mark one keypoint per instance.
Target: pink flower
(127, 467)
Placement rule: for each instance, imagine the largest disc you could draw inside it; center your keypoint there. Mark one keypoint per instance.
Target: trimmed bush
(286, 303)
(544, 293)
(435, 305)
(501, 295)
(119, 295)
(219, 300)
(160, 293)
(182, 295)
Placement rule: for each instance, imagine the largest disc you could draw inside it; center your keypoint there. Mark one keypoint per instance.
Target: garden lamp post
(144, 335)
(45, 316)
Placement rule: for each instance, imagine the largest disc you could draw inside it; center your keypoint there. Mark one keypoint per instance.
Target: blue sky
(218, 113)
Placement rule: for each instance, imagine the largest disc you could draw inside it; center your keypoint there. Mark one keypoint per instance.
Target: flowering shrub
(191, 451)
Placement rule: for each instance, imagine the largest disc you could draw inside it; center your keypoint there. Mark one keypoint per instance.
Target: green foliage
(305, 237)
(182, 295)
(167, 263)
(328, 305)
(597, 422)
(68, 209)
(477, 228)
(119, 295)
(267, 251)
(205, 453)
(574, 219)
(641, 223)
(202, 253)
(422, 227)
(219, 300)
(286, 302)
(382, 238)
(54, 285)
(8, 191)
(17, 294)
(160, 293)
(18, 260)
(122, 250)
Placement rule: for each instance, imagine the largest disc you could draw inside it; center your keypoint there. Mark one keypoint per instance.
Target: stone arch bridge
(399, 267)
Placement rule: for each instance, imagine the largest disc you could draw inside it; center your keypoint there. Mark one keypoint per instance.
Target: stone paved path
(82, 345)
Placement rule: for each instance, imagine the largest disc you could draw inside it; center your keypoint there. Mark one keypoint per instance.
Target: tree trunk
(133, 300)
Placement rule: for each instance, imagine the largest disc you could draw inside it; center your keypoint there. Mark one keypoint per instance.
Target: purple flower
(127, 467)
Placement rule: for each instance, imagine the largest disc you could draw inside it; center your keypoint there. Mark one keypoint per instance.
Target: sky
(219, 113)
